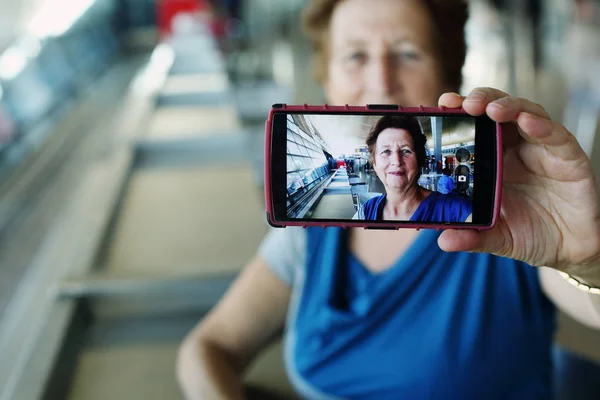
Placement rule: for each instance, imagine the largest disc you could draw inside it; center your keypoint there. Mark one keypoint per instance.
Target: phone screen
(384, 168)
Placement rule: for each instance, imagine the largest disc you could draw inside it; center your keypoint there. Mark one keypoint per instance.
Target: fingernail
(476, 96)
(501, 103)
(547, 124)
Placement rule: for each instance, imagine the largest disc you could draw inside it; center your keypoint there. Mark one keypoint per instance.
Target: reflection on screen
(378, 168)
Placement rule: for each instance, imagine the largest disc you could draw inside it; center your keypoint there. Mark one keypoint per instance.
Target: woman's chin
(396, 184)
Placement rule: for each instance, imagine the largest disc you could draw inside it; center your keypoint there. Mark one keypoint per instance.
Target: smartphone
(382, 167)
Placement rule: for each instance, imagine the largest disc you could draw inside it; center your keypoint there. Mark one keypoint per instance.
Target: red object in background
(168, 9)
(450, 162)
(219, 27)
(340, 163)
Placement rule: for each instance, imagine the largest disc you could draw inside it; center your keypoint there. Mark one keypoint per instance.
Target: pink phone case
(366, 224)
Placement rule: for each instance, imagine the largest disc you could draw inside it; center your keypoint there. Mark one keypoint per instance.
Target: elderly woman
(397, 149)
(415, 314)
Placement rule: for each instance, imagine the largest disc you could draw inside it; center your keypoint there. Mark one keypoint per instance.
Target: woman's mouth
(396, 173)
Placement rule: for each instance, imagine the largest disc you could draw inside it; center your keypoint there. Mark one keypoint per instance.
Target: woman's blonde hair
(449, 19)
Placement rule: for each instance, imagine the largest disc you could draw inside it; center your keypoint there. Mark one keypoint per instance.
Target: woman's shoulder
(284, 250)
(452, 200)
(452, 206)
(452, 197)
(459, 206)
(456, 198)
(375, 199)
(370, 207)
(372, 204)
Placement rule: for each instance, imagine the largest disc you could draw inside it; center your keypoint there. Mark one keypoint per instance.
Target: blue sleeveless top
(436, 207)
(436, 325)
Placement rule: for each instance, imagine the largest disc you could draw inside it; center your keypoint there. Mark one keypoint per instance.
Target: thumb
(490, 241)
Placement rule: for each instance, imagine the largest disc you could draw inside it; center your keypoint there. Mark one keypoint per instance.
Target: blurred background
(131, 136)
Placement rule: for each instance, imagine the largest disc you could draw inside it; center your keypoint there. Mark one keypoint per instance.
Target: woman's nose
(396, 158)
(380, 76)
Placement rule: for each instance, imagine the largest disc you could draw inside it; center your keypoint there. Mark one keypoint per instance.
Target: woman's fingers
(496, 103)
(557, 140)
(451, 100)
(476, 102)
(535, 124)
(508, 109)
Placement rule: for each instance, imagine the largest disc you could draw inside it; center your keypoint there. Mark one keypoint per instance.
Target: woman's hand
(549, 214)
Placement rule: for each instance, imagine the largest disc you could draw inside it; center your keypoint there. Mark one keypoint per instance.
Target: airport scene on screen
(380, 168)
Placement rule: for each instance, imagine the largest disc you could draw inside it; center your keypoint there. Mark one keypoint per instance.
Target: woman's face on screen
(395, 160)
(382, 52)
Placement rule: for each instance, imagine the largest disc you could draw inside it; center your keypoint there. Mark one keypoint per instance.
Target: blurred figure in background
(379, 314)
(446, 183)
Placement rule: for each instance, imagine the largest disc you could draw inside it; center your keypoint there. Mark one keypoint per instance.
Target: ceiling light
(55, 17)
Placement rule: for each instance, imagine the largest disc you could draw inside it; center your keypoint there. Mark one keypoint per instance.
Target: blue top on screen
(436, 207)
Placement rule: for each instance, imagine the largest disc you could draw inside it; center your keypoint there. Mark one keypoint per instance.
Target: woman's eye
(385, 153)
(406, 152)
(357, 56)
(406, 56)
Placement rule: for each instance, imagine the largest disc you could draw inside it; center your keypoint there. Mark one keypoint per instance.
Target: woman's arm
(212, 359)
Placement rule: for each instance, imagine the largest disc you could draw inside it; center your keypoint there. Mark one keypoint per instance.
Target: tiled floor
(334, 206)
(183, 84)
(201, 220)
(193, 122)
(145, 369)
